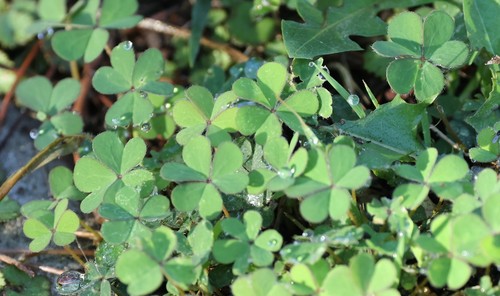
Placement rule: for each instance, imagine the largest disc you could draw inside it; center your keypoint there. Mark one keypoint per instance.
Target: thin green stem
(341, 90)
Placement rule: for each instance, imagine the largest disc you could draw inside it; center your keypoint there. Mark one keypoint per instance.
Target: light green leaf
(96, 43)
(91, 175)
(133, 154)
(139, 272)
(119, 15)
(450, 168)
(197, 154)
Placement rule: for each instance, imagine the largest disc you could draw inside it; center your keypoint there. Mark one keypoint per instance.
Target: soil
(16, 149)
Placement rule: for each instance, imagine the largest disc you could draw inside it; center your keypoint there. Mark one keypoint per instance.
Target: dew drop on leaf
(311, 64)
(69, 282)
(143, 94)
(146, 127)
(308, 233)
(496, 138)
(272, 243)
(353, 100)
(34, 133)
(128, 45)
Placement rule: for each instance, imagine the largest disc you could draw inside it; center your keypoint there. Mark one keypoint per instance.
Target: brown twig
(19, 265)
(29, 253)
(167, 29)
(20, 73)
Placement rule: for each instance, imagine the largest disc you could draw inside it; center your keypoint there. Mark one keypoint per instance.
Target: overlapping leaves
(325, 184)
(130, 214)
(51, 103)
(137, 79)
(247, 245)
(428, 173)
(110, 167)
(44, 225)
(265, 113)
(199, 114)
(89, 34)
(143, 269)
(204, 177)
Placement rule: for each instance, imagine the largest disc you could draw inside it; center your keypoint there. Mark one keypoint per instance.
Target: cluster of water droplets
(48, 32)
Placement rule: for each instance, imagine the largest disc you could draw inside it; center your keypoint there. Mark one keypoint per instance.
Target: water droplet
(168, 105)
(143, 94)
(40, 36)
(311, 64)
(175, 90)
(496, 138)
(69, 282)
(308, 233)
(322, 238)
(272, 243)
(34, 134)
(50, 31)
(285, 173)
(146, 127)
(128, 45)
(353, 100)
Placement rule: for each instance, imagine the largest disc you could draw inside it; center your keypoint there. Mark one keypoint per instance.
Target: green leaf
(303, 252)
(119, 15)
(97, 41)
(269, 240)
(450, 168)
(406, 29)
(149, 67)
(108, 148)
(451, 54)
(227, 251)
(453, 272)
(402, 74)
(201, 239)
(429, 83)
(253, 223)
(67, 224)
(197, 154)
(67, 123)
(47, 99)
(312, 39)
(481, 22)
(248, 89)
(133, 154)
(271, 78)
(433, 38)
(132, 108)
(91, 175)
(181, 270)
(180, 173)
(107, 80)
(260, 282)
(199, 15)
(52, 10)
(139, 271)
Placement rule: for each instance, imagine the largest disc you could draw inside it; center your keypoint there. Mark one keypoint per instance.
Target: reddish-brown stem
(20, 73)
